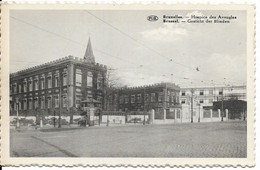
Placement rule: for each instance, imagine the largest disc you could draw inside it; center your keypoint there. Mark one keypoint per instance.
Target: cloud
(168, 32)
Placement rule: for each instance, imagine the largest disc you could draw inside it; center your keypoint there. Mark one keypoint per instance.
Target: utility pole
(17, 113)
(59, 126)
(192, 91)
(222, 111)
(199, 113)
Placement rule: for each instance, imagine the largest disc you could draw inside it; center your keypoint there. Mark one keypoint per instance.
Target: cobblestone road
(219, 139)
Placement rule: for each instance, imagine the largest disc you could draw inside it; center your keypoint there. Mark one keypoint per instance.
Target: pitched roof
(89, 56)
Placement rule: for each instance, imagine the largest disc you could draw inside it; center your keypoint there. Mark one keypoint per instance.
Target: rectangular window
(126, 99)
(183, 93)
(160, 96)
(146, 97)
(30, 85)
(78, 100)
(65, 80)
(42, 83)
(115, 98)
(15, 106)
(56, 83)
(201, 93)
(64, 101)
(90, 79)
(42, 102)
(49, 82)
(183, 101)
(49, 102)
(24, 86)
(25, 104)
(121, 99)
(56, 101)
(132, 98)
(99, 81)
(15, 88)
(36, 84)
(36, 103)
(19, 88)
(220, 92)
(201, 101)
(152, 97)
(30, 103)
(78, 77)
(138, 98)
(20, 105)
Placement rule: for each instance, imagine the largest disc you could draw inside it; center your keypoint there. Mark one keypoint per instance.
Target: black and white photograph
(130, 83)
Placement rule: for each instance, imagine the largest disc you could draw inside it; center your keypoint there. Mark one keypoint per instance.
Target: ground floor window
(42, 103)
(56, 101)
(30, 103)
(49, 102)
(64, 103)
(25, 104)
(78, 101)
(20, 105)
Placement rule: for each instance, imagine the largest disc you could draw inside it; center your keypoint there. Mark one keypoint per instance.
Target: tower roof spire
(89, 56)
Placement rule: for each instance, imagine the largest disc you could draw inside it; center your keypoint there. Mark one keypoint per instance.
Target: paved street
(219, 139)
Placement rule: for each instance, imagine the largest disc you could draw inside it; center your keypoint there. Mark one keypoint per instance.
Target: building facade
(205, 96)
(144, 98)
(58, 85)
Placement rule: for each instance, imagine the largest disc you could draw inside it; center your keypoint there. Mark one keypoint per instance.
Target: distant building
(60, 84)
(158, 97)
(205, 96)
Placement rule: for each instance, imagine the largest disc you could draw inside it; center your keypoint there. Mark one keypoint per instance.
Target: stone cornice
(59, 61)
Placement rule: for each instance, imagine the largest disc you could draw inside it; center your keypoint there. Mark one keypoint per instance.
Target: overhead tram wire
(81, 44)
(68, 39)
(138, 42)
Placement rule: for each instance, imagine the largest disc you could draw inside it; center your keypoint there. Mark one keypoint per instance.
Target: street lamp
(192, 92)
(222, 107)
(17, 114)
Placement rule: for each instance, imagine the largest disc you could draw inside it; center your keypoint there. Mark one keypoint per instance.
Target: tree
(112, 83)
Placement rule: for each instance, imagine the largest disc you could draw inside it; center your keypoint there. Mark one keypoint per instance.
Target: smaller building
(205, 96)
(237, 109)
(144, 98)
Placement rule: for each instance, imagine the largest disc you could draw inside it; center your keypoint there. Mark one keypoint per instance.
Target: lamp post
(222, 111)
(222, 103)
(199, 111)
(192, 91)
(17, 113)
(59, 125)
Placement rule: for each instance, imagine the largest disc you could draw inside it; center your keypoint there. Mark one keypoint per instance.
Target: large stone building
(158, 97)
(58, 85)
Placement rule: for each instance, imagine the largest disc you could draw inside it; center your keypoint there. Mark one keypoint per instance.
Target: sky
(140, 51)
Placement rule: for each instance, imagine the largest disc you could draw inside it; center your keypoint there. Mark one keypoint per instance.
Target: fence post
(164, 114)
(151, 119)
(144, 119)
(175, 115)
(211, 115)
(219, 114)
(226, 110)
(107, 119)
(41, 122)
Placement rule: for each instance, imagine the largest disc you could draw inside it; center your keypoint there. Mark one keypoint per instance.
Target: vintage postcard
(107, 84)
